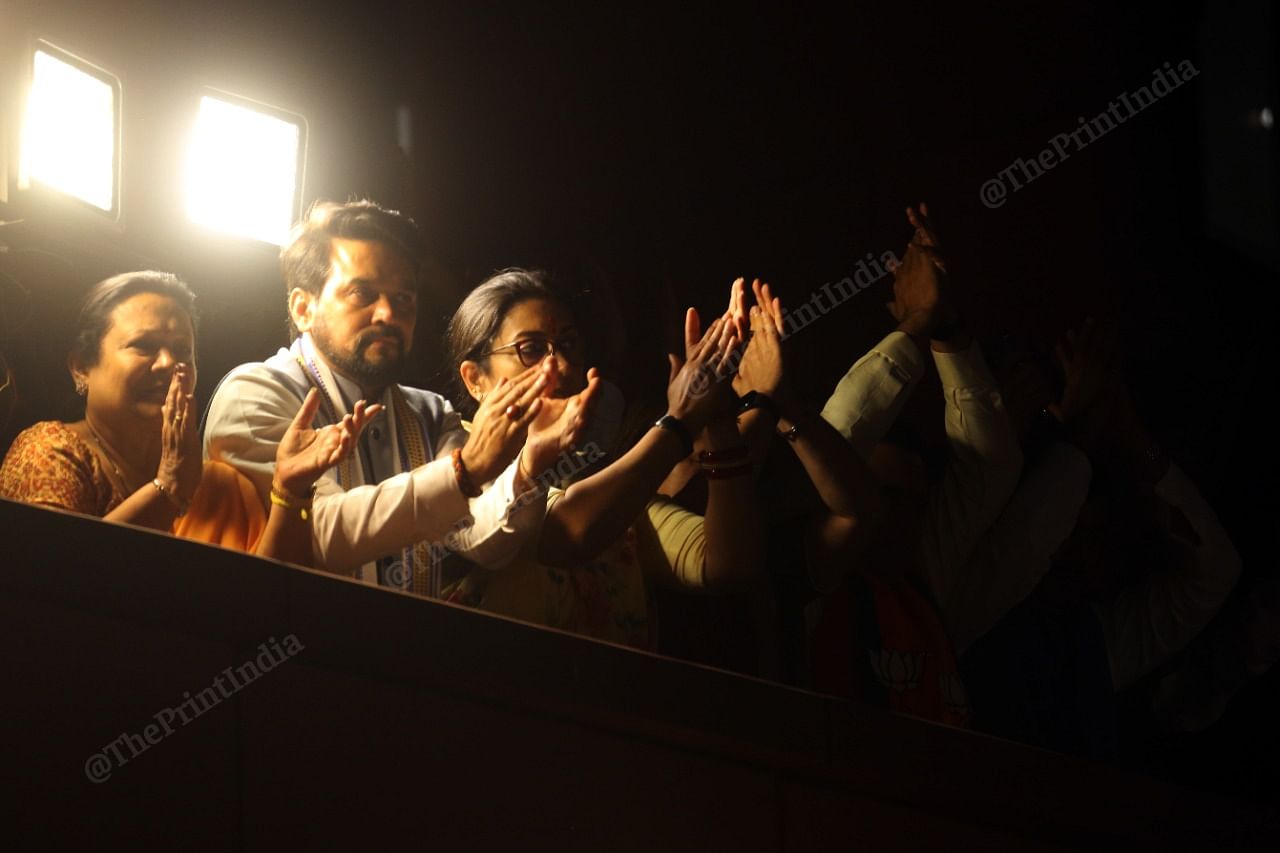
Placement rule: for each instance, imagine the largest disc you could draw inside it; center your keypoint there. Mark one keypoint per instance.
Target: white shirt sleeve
(982, 471)
(249, 415)
(1017, 552)
(1147, 623)
(871, 395)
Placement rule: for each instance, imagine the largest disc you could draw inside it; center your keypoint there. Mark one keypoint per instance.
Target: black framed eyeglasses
(530, 351)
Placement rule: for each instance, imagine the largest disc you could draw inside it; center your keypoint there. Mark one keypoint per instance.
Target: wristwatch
(675, 425)
(756, 400)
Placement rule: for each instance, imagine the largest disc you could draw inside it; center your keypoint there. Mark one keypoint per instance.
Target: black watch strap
(756, 400)
(671, 422)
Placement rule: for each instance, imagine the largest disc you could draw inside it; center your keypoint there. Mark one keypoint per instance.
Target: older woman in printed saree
(135, 457)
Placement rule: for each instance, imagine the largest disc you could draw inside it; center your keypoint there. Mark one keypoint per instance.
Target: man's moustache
(374, 337)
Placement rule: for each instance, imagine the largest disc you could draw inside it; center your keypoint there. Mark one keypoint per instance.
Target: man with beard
(352, 276)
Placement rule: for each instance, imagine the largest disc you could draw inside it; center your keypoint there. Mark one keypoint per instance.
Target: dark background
(652, 153)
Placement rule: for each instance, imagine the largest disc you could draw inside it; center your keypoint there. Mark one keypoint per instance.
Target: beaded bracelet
(465, 485)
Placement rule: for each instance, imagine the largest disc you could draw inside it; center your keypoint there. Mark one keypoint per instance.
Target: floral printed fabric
(49, 465)
(608, 598)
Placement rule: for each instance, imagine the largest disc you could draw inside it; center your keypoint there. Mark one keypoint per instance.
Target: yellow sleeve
(680, 542)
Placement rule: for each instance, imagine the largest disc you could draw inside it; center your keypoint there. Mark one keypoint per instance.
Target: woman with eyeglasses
(609, 537)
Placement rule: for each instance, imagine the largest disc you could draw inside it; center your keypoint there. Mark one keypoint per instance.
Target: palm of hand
(761, 367)
(552, 433)
(304, 453)
(558, 425)
(917, 286)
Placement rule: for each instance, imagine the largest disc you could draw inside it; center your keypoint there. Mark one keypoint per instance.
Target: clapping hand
(922, 299)
(559, 424)
(697, 390)
(1090, 361)
(181, 462)
(501, 425)
(763, 366)
(304, 453)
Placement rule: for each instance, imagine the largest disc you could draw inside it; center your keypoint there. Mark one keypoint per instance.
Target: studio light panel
(243, 169)
(71, 130)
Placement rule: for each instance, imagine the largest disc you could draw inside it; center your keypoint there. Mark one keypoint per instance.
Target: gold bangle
(182, 506)
(281, 498)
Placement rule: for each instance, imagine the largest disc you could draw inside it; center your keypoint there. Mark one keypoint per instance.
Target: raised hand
(1090, 361)
(737, 311)
(305, 453)
(926, 236)
(698, 390)
(502, 421)
(558, 426)
(763, 365)
(181, 460)
(921, 289)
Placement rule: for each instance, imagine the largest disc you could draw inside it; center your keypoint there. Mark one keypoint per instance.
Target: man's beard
(355, 365)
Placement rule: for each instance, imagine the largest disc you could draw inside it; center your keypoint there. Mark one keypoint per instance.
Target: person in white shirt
(352, 276)
(984, 461)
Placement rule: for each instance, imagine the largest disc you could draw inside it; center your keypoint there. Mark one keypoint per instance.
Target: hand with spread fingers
(558, 426)
(181, 460)
(1090, 362)
(502, 421)
(305, 453)
(1089, 359)
(699, 390)
(763, 366)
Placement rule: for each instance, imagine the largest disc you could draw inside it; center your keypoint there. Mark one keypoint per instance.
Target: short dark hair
(479, 317)
(304, 261)
(95, 310)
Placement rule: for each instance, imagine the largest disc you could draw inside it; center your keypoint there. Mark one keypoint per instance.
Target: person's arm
(843, 481)
(732, 529)
(1147, 623)
(598, 509)
(1015, 554)
(983, 466)
(248, 417)
(725, 549)
(303, 454)
(871, 395)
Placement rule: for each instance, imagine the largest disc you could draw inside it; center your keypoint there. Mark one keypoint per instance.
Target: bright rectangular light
(70, 130)
(242, 171)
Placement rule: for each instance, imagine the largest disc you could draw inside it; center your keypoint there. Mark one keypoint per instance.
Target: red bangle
(467, 487)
